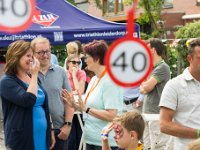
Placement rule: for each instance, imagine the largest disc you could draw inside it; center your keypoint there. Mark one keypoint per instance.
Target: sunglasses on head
(75, 62)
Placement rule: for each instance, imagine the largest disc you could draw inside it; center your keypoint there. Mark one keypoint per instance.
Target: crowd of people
(40, 100)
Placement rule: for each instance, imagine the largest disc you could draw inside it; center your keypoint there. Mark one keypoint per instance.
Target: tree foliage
(152, 10)
(185, 33)
(190, 30)
(151, 14)
(72, 2)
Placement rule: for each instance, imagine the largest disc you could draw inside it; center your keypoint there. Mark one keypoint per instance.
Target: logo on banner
(44, 18)
(58, 36)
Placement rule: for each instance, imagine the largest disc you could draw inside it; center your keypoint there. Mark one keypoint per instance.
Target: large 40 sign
(129, 60)
(16, 15)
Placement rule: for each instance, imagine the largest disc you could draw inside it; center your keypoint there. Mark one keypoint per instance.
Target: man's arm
(148, 85)
(66, 128)
(167, 125)
(69, 112)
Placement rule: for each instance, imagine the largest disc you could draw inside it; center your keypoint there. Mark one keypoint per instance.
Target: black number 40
(123, 64)
(3, 9)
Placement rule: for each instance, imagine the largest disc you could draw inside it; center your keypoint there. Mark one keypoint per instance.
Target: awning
(192, 16)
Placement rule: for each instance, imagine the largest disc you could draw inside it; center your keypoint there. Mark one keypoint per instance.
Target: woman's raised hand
(35, 66)
(68, 97)
(79, 104)
(74, 71)
(74, 100)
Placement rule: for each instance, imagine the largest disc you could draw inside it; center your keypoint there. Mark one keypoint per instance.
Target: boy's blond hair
(132, 121)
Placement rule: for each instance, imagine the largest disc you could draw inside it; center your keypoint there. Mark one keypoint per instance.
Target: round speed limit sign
(129, 62)
(16, 15)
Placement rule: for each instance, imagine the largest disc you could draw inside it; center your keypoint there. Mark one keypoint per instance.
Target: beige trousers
(153, 139)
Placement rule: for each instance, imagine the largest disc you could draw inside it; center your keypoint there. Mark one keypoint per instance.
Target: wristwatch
(68, 123)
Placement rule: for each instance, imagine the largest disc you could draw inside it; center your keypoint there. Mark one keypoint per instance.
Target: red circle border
(23, 26)
(110, 51)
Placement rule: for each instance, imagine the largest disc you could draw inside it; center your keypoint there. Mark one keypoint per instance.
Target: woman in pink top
(77, 79)
(76, 76)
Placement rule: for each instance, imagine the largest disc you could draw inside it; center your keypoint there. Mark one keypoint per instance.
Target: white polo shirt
(182, 94)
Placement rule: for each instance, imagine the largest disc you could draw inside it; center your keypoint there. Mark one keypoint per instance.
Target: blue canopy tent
(61, 22)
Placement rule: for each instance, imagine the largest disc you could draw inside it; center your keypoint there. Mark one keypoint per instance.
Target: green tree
(72, 2)
(152, 10)
(151, 14)
(190, 30)
(60, 52)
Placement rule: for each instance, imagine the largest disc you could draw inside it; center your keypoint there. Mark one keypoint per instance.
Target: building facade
(175, 13)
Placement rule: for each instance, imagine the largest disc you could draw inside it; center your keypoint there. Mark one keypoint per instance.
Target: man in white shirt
(180, 102)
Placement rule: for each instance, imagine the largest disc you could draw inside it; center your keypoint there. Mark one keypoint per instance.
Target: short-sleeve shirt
(130, 93)
(161, 73)
(54, 59)
(81, 75)
(54, 81)
(106, 95)
(182, 94)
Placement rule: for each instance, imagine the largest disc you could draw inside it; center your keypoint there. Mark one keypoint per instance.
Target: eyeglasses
(42, 53)
(75, 62)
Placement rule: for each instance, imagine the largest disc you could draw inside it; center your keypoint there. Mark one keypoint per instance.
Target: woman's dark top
(17, 105)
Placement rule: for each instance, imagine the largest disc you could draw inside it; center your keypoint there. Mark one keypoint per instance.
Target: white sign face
(129, 63)
(15, 14)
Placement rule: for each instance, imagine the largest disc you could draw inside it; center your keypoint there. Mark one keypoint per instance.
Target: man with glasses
(54, 79)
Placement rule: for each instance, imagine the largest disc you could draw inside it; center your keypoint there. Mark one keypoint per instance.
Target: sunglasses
(75, 62)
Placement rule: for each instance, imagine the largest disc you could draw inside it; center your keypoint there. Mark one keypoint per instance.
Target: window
(110, 6)
(120, 5)
(113, 6)
(168, 4)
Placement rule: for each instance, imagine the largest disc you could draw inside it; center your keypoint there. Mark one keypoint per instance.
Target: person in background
(76, 76)
(180, 105)
(103, 99)
(83, 65)
(152, 88)
(54, 59)
(77, 79)
(133, 99)
(129, 128)
(81, 54)
(54, 79)
(71, 49)
(24, 101)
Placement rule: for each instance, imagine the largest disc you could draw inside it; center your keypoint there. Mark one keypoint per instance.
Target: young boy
(128, 128)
